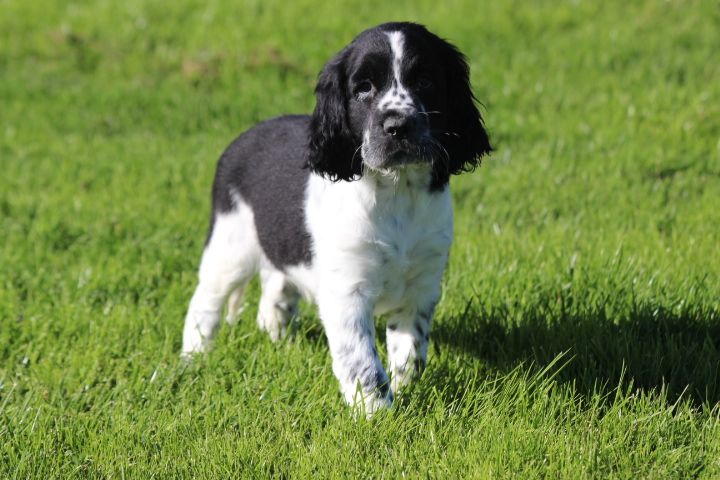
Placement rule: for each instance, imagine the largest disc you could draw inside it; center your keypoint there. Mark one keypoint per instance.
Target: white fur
(397, 97)
(229, 261)
(380, 245)
(231, 258)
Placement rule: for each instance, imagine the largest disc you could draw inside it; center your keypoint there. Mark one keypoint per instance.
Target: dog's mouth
(405, 152)
(383, 148)
(399, 156)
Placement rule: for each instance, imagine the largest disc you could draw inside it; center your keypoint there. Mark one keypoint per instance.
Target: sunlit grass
(579, 331)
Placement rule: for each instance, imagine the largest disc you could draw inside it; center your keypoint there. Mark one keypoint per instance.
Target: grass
(579, 331)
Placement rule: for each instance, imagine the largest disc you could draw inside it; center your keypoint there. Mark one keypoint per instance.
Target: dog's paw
(369, 403)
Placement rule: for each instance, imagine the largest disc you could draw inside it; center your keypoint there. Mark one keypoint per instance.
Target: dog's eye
(363, 89)
(424, 82)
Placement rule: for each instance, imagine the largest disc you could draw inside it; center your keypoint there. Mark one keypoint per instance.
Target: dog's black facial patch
(403, 94)
(265, 166)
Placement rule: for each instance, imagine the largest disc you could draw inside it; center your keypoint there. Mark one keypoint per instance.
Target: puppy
(349, 207)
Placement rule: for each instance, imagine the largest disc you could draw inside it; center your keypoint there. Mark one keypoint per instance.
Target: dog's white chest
(412, 238)
(387, 239)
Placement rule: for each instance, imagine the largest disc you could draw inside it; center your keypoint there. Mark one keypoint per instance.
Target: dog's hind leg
(235, 304)
(229, 261)
(278, 303)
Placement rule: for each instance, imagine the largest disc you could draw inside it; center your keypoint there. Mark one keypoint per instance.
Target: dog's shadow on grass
(651, 349)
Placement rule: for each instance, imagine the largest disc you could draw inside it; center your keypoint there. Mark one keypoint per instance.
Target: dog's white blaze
(397, 97)
(397, 42)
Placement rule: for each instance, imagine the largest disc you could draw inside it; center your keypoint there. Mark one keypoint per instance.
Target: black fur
(266, 167)
(337, 122)
(467, 140)
(332, 144)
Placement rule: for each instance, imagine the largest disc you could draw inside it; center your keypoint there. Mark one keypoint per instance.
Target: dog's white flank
(377, 241)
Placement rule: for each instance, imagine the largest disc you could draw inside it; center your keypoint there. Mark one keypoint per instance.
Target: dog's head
(396, 95)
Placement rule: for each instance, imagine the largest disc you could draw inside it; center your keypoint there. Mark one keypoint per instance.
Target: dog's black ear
(466, 140)
(331, 146)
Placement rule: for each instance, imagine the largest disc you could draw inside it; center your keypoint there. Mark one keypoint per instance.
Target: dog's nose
(398, 125)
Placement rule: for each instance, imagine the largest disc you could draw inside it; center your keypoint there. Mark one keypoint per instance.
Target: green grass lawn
(579, 331)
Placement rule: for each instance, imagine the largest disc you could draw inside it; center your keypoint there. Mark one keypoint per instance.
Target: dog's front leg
(350, 332)
(408, 333)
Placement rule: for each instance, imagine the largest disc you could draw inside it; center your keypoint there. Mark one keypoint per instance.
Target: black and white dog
(349, 207)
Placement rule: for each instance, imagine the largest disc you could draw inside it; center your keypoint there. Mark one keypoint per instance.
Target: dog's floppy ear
(331, 146)
(467, 141)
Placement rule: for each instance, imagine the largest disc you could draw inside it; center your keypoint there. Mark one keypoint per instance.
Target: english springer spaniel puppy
(349, 207)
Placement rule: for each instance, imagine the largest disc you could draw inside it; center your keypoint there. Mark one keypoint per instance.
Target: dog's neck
(405, 189)
(398, 191)
(406, 178)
